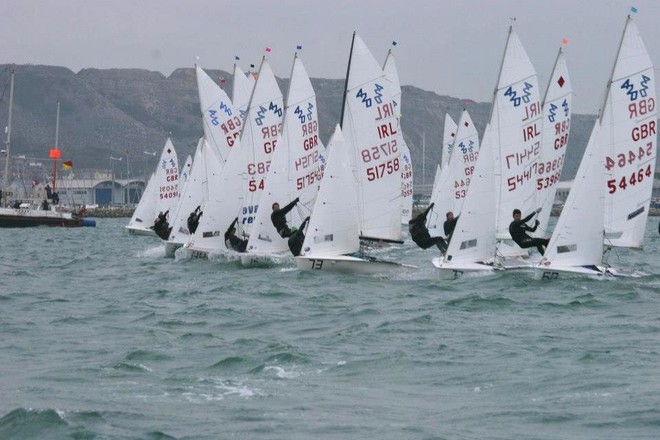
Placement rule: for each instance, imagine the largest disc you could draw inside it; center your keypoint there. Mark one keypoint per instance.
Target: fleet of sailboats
(259, 149)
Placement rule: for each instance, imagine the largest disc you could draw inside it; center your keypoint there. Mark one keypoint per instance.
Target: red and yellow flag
(67, 165)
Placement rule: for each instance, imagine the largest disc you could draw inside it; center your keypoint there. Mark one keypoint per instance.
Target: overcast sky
(451, 47)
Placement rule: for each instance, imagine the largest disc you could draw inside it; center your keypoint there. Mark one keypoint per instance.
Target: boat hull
(132, 230)
(171, 247)
(17, 218)
(453, 271)
(265, 260)
(596, 272)
(348, 265)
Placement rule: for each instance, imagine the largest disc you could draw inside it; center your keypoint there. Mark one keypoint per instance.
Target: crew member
(449, 225)
(519, 228)
(232, 241)
(420, 233)
(278, 217)
(193, 219)
(296, 241)
(161, 226)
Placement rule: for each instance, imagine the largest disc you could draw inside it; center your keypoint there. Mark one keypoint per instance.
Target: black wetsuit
(518, 230)
(296, 241)
(232, 241)
(193, 220)
(420, 233)
(161, 227)
(449, 227)
(279, 220)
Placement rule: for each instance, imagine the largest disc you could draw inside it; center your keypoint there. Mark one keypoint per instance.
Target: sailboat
(576, 246)
(161, 194)
(370, 122)
(29, 214)
(516, 132)
(455, 177)
(369, 138)
(332, 240)
(295, 171)
(241, 91)
(557, 108)
(405, 158)
(237, 188)
(471, 249)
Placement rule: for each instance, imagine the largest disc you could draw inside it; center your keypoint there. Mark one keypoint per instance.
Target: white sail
(473, 240)
(333, 228)
(263, 125)
(448, 136)
(297, 165)
(370, 125)
(628, 139)
(221, 194)
(578, 236)
(557, 106)
(456, 176)
(242, 90)
(222, 123)
(191, 196)
(405, 158)
(143, 216)
(161, 194)
(516, 125)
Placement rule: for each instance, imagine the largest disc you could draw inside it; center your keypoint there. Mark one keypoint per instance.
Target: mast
(616, 60)
(348, 71)
(499, 74)
(57, 141)
(8, 141)
(263, 59)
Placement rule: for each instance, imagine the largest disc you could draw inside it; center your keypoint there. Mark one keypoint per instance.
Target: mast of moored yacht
(57, 141)
(5, 185)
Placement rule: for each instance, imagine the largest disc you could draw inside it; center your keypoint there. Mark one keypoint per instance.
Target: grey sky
(450, 47)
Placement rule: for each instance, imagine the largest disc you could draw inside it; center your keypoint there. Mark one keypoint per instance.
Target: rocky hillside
(127, 111)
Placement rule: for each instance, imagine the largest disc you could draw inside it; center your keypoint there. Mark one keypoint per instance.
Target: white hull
(132, 230)
(171, 247)
(453, 271)
(265, 260)
(348, 265)
(596, 272)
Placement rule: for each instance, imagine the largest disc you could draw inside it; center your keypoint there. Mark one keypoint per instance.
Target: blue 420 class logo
(366, 100)
(630, 88)
(517, 100)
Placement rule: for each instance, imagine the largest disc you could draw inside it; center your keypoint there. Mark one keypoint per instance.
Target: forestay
(557, 106)
(370, 125)
(297, 164)
(333, 228)
(628, 139)
(405, 159)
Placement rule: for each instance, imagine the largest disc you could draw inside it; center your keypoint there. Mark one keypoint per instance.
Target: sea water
(101, 337)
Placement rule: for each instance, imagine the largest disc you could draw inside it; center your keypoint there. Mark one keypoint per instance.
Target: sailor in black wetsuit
(278, 217)
(232, 241)
(296, 241)
(420, 233)
(450, 225)
(193, 220)
(518, 230)
(161, 226)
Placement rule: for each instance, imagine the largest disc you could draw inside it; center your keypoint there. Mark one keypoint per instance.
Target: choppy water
(102, 338)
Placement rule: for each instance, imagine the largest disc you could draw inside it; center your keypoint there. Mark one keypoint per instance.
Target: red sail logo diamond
(561, 81)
